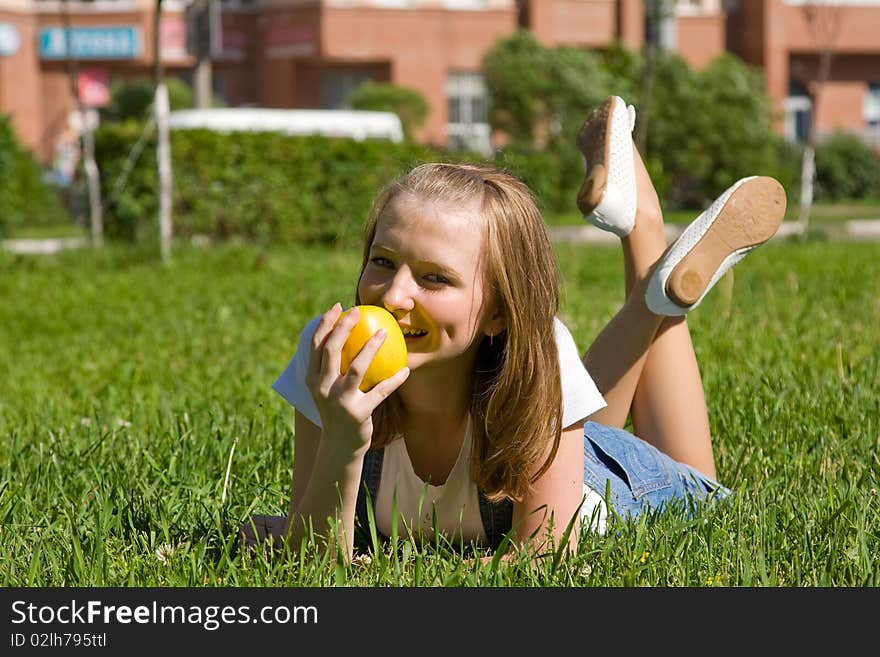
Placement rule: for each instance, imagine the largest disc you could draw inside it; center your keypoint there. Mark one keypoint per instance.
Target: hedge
(274, 188)
(25, 199)
(846, 169)
(260, 186)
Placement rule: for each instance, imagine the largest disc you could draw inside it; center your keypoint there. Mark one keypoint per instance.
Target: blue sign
(90, 42)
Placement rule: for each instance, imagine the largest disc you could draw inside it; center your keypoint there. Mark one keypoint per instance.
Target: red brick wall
(38, 94)
(631, 23)
(20, 91)
(58, 103)
(840, 106)
(287, 47)
(421, 48)
(589, 23)
(856, 28)
(236, 64)
(700, 39)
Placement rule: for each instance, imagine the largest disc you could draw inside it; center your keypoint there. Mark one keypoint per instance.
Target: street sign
(90, 42)
(93, 87)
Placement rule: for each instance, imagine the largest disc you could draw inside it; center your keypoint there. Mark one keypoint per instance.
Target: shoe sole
(594, 141)
(750, 217)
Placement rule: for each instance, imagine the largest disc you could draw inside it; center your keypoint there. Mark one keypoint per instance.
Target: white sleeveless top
(455, 501)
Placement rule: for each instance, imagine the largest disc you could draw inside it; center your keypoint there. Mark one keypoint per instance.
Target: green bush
(846, 169)
(131, 99)
(130, 202)
(787, 167)
(261, 186)
(709, 128)
(537, 93)
(554, 173)
(409, 105)
(25, 199)
(706, 128)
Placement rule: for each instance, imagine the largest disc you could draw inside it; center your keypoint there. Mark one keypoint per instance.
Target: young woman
(496, 425)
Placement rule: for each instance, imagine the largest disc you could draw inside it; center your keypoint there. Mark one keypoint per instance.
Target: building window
(468, 126)
(465, 4)
(871, 112)
(391, 4)
(798, 113)
(693, 7)
(337, 85)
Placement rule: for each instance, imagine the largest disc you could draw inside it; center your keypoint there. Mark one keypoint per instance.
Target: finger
(322, 330)
(331, 351)
(380, 392)
(328, 321)
(325, 325)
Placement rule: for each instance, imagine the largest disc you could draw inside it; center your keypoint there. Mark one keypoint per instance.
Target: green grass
(127, 389)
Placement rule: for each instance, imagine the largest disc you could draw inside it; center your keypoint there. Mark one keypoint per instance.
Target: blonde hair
(516, 402)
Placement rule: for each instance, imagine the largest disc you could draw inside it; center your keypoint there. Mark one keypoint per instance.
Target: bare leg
(669, 406)
(644, 364)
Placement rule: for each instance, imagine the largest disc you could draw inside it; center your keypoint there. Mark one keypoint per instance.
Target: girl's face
(425, 267)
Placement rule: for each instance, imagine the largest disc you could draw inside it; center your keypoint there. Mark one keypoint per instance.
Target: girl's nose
(398, 294)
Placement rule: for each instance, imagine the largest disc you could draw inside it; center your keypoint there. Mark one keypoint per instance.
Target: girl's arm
(307, 436)
(325, 485)
(541, 518)
(328, 460)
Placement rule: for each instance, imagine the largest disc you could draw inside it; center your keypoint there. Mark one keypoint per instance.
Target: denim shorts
(638, 476)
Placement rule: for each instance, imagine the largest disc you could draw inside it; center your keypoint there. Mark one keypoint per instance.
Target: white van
(356, 124)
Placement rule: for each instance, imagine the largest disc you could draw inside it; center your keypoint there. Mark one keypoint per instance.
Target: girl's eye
(379, 261)
(437, 279)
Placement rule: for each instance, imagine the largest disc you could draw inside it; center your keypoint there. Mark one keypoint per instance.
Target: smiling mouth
(413, 333)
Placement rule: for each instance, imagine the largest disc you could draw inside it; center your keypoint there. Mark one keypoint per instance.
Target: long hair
(516, 398)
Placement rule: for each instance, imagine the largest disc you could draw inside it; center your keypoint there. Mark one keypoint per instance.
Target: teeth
(414, 332)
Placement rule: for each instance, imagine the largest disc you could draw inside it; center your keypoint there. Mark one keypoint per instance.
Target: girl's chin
(416, 343)
(428, 361)
(418, 364)
(422, 344)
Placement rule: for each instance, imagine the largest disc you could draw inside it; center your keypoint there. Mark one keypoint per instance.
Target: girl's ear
(496, 324)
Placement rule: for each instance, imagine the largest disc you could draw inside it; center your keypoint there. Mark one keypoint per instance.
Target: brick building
(312, 53)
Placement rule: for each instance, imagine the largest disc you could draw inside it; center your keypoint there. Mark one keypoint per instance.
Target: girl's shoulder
(291, 384)
(564, 340)
(580, 395)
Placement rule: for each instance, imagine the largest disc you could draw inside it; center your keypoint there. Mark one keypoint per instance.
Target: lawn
(139, 428)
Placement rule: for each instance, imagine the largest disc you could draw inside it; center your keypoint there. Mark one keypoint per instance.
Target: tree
(538, 93)
(163, 145)
(409, 105)
(87, 136)
(658, 14)
(824, 18)
(133, 99)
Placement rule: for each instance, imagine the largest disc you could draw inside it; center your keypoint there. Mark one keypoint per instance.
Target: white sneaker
(607, 196)
(745, 216)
